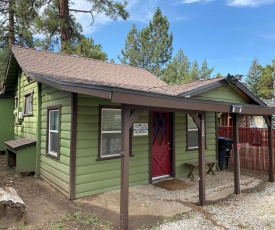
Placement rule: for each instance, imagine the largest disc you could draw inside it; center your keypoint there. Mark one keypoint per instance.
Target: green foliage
(205, 72)
(253, 77)
(131, 53)
(218, 75)
(151, 48)
(86, 48)
(260, 80)
(81, 218)
(266, 82)
(177, 70)
(59, 26)
(194, 72)
(4, 57)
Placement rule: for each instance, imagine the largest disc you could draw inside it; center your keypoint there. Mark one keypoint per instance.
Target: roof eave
(202, 89)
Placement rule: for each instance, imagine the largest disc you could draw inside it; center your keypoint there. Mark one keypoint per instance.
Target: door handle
(168, 147)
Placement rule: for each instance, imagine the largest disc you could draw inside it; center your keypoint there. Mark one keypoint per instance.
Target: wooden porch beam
(268, 120)
(199, 119)
(236, 154)
(127, 119)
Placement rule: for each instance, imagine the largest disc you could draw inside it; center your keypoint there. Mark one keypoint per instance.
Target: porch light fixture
(236, 109)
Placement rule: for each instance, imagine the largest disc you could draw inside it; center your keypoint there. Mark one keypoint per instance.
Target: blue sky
(229, 34)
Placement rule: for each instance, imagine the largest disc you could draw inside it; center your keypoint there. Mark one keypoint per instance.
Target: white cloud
(85, 19)
(194, 1)
(270, 36)
(142, 11)
(249, 3)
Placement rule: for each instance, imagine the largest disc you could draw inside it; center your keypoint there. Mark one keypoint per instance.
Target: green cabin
(72, 111)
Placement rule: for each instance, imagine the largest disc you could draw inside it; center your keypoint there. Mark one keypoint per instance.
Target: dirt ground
(49, 209)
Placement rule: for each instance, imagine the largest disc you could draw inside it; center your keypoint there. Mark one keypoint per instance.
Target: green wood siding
(94, 176)
(56, 171)
(6, 121)
(27, 128)
(183, 155)
(224, 93)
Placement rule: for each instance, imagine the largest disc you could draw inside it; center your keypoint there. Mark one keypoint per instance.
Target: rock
(13, 212)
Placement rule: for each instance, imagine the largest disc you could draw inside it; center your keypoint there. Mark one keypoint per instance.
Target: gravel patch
(254, 210)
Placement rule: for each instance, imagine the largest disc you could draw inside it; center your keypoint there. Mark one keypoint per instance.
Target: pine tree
(58, 24)
(87, 48)
(194, 72)
(266, 82)
(218, 75)
(16, 23)
(205, 72)
(161, 42)
(151, 48)
(177, 71)
(253, 77)
(130, 55)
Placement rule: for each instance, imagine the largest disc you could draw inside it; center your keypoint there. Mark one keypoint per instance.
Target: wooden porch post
(236, 154)
(199, 119)
(127, 119)
(202, 159)
(268, 120)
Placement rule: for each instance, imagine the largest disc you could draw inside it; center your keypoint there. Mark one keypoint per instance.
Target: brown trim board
(178, 103)
(73, 145)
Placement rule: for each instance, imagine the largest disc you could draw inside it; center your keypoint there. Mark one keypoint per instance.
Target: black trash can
(224, 147)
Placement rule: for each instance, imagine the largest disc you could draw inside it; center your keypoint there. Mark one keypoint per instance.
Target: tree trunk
(13, 211)
(64, 14)
(11, 24)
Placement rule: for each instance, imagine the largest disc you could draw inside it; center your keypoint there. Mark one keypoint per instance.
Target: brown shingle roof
(79, 70)
(186, 88)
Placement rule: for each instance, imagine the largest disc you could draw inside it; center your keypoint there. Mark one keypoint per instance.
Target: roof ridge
(81, 57)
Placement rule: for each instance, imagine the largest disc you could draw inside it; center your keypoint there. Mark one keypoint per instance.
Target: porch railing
(254, 147)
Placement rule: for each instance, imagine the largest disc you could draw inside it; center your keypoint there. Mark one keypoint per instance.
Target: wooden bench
(194, 164)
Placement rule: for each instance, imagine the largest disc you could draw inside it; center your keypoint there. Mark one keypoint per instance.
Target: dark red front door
(161, 151)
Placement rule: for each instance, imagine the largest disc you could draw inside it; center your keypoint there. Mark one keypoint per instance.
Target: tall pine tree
(151, 48)
(58, 23)
(177, 71)
(194, 72)
(253, 77)
(205, 72)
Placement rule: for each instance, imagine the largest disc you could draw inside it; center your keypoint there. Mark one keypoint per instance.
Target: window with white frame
(53, 135)
(110, 132)
(28, 104)
(192, 133)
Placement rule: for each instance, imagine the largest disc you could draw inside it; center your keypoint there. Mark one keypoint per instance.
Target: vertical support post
(124, 189)
(38, 130)
(268, 120)
(202, 159)
(237, 189)
(127, 119)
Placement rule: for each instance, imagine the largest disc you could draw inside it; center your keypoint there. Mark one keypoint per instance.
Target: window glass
(54, 119)
(110, 132)
(53, 133)
(28, 104)
(192, 133)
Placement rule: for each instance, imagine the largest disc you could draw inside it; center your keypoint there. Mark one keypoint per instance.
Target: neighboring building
(73, 108)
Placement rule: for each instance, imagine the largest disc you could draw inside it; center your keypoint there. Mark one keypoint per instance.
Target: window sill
(28, 115)
(111, 157)
(53, 155)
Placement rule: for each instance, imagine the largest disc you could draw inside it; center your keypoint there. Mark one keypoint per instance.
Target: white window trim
(103, 132)
(52, 153)
(28, 97)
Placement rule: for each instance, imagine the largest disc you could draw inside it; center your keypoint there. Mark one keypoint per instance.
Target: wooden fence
(254, 147)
